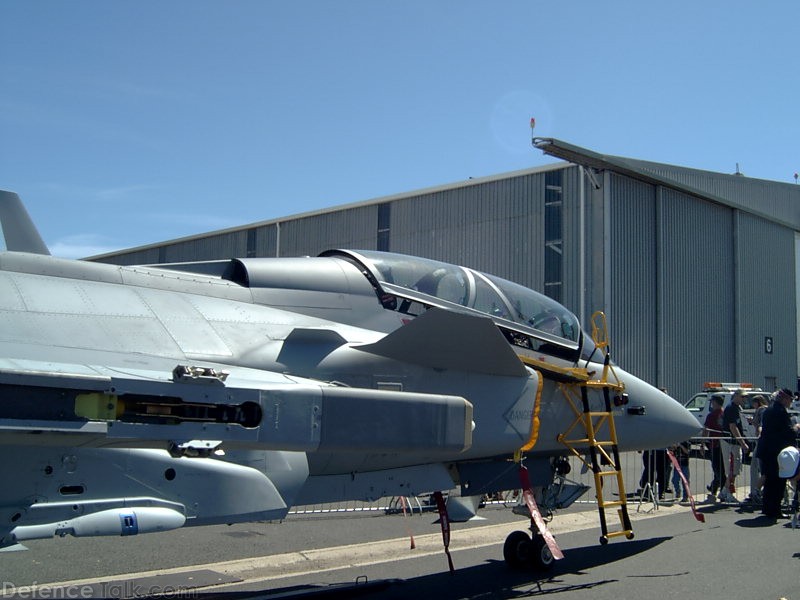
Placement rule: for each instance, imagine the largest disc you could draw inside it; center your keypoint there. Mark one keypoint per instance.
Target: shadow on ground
(492, 579)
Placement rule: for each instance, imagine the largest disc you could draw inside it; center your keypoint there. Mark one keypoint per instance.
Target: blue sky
(131, 122)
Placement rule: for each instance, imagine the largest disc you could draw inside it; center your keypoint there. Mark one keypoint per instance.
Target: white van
(700, 404)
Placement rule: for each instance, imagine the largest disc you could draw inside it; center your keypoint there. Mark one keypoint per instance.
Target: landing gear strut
(521, 551)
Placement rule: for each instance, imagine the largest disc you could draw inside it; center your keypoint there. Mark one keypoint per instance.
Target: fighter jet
(139, 399)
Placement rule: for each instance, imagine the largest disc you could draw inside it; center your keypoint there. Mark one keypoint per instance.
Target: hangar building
(696, 271)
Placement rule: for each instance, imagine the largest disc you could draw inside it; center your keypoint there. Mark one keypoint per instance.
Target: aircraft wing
(445, 339)
(89, 405)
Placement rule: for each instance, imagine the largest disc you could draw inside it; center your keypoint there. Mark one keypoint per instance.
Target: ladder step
(604, 443)
(599, 384)
(625, 532)
(613, 503)
(608, 473)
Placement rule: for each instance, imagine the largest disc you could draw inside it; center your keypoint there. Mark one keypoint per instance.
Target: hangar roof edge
(339, 207)
(781, 205)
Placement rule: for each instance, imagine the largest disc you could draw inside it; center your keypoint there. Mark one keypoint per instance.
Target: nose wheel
(521, 551)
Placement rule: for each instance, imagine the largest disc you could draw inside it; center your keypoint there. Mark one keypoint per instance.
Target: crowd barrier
(632, 466)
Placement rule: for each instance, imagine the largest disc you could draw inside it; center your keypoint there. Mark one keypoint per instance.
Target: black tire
(541, 556)
(517, 549)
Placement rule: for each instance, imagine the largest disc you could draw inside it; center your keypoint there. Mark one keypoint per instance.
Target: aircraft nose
(652, 419)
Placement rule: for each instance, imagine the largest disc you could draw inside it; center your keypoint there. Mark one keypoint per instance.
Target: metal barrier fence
(700, 475)
(632, 466)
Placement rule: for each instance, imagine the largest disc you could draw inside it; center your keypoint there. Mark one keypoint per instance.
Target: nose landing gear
(521, 551)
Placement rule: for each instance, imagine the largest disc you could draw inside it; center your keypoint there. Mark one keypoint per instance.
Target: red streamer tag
(699, 516)
(527, 495)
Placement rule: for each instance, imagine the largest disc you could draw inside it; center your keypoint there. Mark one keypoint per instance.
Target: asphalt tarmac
(734, 554)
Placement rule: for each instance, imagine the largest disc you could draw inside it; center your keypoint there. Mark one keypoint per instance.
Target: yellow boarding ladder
(604, 453)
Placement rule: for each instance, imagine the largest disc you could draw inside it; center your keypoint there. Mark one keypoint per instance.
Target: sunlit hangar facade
(696, 271)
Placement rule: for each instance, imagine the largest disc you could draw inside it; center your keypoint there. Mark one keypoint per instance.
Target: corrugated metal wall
(494, 227)
(632, 314)
(699, 335)
(224, 245)
(211, 247)
(266, 240)
(571, 221)
(147, 256)
(675, 263)
(780, 201)
(766, 302)
(351, 228)
(305, 236)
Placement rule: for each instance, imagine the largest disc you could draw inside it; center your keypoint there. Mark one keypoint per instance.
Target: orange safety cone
(408, 529)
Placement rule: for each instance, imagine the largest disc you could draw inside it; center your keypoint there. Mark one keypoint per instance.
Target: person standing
(681, 452)
(789, 469)
(654, 472)
(777, 433)
(756, 479)
(662, 471)
(732, 445)
(712, 429)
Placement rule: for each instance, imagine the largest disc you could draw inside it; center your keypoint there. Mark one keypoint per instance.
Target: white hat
(788, 459)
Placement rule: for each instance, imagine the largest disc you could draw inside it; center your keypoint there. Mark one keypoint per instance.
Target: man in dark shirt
(777, 432)
(732, 445)
(712, 428)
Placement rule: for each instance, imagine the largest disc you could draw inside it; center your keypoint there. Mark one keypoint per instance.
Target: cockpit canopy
(408, 279)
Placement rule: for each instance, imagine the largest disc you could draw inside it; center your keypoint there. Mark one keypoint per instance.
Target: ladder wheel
(629, 536)
(603, 540)
(517, 549)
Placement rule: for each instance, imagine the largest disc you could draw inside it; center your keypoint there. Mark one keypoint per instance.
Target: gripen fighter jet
(140, 399)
